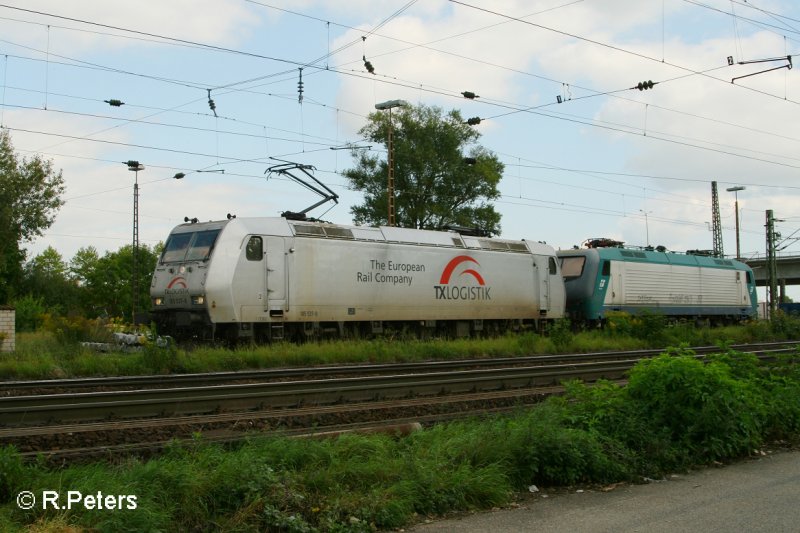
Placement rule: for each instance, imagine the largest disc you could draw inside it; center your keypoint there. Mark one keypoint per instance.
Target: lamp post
(735, 191)
(390, 104)
(646, 225)
(135, 167)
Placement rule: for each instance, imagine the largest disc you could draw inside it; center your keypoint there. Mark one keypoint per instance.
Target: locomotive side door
(275, 252)
(543, 273)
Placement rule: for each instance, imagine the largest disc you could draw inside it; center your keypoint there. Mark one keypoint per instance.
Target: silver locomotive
(275, 278)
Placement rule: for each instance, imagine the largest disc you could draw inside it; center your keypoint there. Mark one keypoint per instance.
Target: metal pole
(135, 281)
(738, 249)
(390, 190)
(716, 224)
(390, 145)
(735, 190)
(135, 167)
(771, 265)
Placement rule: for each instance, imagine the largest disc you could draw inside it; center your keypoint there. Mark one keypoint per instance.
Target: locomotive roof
(650, 256)
(282, 227)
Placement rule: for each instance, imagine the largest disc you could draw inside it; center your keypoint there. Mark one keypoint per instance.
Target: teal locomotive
(605, 276)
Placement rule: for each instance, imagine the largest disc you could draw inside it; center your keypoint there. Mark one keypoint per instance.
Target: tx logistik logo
(446, 291)
(178, 282)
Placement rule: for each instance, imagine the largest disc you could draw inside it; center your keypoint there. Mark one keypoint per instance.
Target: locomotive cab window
(572, 267)
(175, 249)
(606, 268)
(195, 246)
(202, 244)
(552, 266)
(255, 249)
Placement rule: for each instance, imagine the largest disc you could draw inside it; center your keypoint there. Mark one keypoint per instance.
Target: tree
(106, 281)
(47, 278)
(83, 264)
(83, 268)
(30, 196)
(442, 176)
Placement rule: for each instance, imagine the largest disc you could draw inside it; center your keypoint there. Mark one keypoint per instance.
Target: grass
(50, 355)
(676, 413)
(41, 355)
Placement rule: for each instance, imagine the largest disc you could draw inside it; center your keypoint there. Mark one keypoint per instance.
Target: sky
(586, 153)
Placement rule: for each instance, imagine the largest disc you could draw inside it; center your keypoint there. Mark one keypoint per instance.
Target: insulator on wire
(368, 65)
(474, 121)
(114, 102)
(300, 87)
(469, 95)
(211, 104)
(644, 85)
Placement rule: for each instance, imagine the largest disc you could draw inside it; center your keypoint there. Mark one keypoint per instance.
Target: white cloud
(216, 22)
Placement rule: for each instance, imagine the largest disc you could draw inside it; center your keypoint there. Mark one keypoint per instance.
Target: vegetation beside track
(55, 350)
(675, 413)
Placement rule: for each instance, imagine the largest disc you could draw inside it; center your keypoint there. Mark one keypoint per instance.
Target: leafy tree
(48, 264)
(442, 176)
(83, 263)
(47, 277)
(30, 311)
(90, 285)
(106, 280)
(30, 196)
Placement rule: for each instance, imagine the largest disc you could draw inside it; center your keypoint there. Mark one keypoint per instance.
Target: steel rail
(197, 379)
(19, 410)
(273, 414)
(143, 403)
(391, 426)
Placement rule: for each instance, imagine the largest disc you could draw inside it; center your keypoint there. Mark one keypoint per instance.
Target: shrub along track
(109, 416)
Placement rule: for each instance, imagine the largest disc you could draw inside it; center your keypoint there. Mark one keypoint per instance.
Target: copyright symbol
(26, 500)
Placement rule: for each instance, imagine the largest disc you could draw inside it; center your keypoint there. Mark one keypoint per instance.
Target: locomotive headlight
(198, 300)
(158, 301)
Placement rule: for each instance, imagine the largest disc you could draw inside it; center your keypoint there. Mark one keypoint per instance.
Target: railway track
(227, 404)
(17, 388)
(143, 403)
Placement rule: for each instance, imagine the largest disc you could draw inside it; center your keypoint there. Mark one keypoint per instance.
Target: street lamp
(646, 224)
(735, 191)
(390, 104)
(135, 167)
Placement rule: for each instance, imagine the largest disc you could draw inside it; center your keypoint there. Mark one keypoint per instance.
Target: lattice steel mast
(716, 225)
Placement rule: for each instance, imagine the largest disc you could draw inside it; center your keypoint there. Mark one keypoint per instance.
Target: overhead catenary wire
(614, 48)
(733, 14)
(608, 93)
(611, 92)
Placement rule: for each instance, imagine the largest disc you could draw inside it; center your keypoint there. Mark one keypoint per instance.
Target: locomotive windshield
(572, 267)
(195, 246)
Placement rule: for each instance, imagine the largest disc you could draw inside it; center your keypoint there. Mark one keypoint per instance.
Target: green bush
(29, 313)
(160, 356)
(784, 325)
(646, 326)
(76, 329)
(700, 406)
(560, 332)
